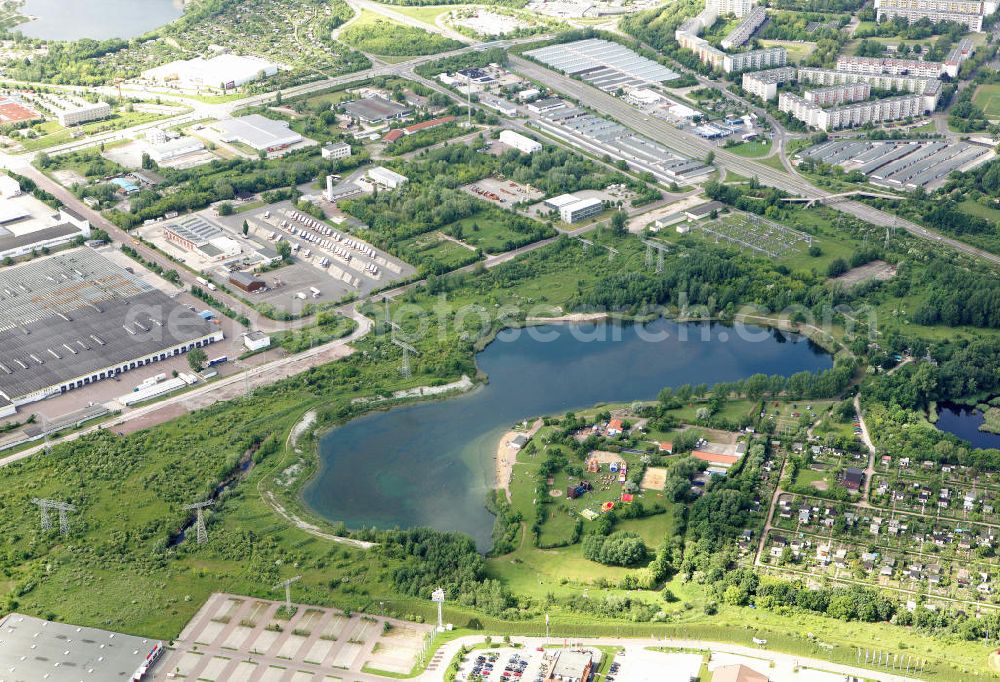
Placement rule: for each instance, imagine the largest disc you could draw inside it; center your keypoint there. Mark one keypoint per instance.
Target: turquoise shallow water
(98, 19)
(431, 464)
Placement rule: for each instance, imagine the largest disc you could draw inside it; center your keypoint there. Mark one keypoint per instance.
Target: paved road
(694, 147)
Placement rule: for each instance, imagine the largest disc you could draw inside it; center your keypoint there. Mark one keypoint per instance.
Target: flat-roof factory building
(76, 318)
(517, 141)
(27, 225)
(258, 132)
(34, 649)
(375, 109)
(226, 71)
(194, 233)
(381, 175)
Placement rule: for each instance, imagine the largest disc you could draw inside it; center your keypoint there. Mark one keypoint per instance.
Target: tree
(226, 208)
(284, 250)
(837, 267)
(147, 161)
(619, 220)
(197, 358)
(710, 158)
(246, 228)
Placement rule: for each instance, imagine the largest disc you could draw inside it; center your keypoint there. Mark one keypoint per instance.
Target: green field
(751, 150)
(797, 51)
(375, 34)
(491, 230)
(987, 97)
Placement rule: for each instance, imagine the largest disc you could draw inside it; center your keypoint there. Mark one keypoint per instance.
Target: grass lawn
(974, 208)
(774, 162)
(988, 98)
(797, 51)
(53, 134)
(490, 230)
(752, 150)
(375, 34)
(427, 14)
(433, 249)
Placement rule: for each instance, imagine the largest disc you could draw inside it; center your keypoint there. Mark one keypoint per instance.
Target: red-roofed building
(715, 458)
(614, 427)
(393, 135)
(667, 447)
(425, 125)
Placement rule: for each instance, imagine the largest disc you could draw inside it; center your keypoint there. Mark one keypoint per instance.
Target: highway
(694, 147)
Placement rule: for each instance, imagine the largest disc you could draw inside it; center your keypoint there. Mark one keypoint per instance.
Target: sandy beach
(571, 317)
(507, 456)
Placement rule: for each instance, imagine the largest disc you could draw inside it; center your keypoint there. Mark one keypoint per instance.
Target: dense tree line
(382, 36)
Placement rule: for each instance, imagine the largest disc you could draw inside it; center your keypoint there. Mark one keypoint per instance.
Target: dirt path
(507, 456)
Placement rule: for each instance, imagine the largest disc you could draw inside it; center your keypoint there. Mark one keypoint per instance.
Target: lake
(98, 19)
(963, 421)
(432, 463)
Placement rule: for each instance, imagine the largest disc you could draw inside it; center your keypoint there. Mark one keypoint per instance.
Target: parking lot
(504, 665)
(238, 639)
(326, 258)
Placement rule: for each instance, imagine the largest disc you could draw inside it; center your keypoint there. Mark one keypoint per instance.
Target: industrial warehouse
(904, 165)
(608, 66)
(36, 649)
(76, 318)
(604, 136)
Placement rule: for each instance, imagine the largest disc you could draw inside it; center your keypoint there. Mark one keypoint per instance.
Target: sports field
(988, 97)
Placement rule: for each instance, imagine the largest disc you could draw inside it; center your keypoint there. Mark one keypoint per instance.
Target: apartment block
(755, 60)
(851, 115)
(968, 12)
(764, 84)
(838, 94)
(928, 88)
(739, 35)
(895, 67)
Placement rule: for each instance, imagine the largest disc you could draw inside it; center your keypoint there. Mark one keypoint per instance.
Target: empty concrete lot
(244, 639)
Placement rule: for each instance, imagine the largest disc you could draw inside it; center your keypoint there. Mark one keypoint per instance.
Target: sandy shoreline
(507, 456)
(571, 317)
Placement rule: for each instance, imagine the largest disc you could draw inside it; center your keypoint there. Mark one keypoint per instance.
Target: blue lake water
(98, 19)
(432, 464)
(964, 421)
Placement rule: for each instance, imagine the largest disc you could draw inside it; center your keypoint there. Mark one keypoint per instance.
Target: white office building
(74, 114)
(336, 150)
(764, 84)
(581, 209)
(521, 143)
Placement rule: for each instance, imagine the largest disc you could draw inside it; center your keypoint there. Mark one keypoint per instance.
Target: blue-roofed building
(125, 186)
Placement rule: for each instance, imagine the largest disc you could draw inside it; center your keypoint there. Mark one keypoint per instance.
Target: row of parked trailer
(327, 238)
